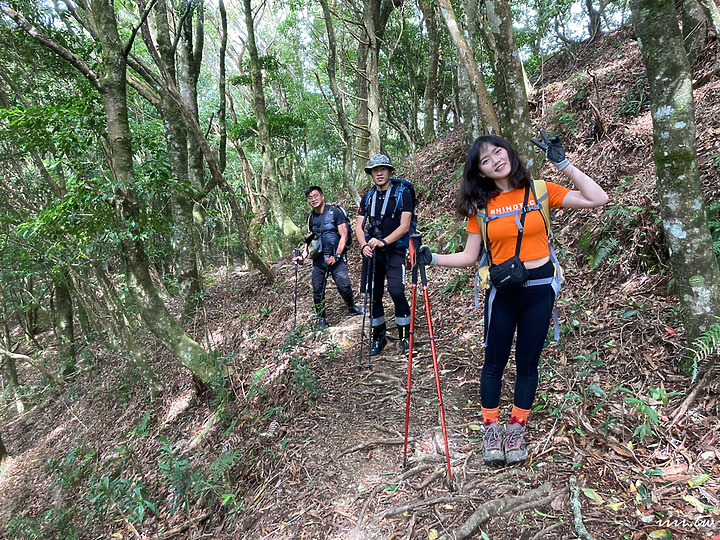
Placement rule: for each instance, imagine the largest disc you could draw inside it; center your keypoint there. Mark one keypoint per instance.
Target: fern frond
(704, 346)
(605, 248)
(219, 468)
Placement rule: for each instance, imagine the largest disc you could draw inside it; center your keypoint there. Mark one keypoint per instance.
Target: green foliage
(445, 234)
(56, 523)
(215, 484)
(305, 381)
(705, 345)
(617, 223)
(127, 497)
(645, 408)
(457, 283)
(282, 124)
(636, 99)
(177, 471)
(74, 468)
(268, 63)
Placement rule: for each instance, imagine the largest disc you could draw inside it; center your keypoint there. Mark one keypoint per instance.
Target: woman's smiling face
(494, 162)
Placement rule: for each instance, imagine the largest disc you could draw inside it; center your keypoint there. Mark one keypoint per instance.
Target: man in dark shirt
(327, 223)
(382, 225)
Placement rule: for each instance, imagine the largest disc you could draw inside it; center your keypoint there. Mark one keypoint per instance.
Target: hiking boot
(514, 444)
(355, 310)
(322, 324)
(493, 445)
(378, 340)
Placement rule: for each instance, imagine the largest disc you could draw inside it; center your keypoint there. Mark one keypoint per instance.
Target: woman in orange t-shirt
(496, 178)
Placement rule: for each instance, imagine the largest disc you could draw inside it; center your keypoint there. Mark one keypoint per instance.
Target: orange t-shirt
(503, 232)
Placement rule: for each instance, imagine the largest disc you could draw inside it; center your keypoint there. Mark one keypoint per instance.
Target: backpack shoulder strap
(480, 216)
(542, 198)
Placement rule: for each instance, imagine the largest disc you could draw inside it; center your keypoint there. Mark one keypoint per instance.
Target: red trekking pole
(416, 240)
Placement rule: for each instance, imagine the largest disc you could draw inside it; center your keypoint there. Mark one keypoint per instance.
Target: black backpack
(329, 223)
(400, 185)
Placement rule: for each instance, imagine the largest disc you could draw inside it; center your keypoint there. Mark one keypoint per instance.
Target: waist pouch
(315, 248)
(509, 275)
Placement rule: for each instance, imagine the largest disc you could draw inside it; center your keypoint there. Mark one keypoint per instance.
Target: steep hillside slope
(303, 444)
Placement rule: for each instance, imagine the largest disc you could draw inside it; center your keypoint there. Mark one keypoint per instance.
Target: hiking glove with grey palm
(426, 257)
(553, 150)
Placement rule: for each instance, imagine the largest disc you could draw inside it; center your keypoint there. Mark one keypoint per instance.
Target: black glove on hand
(426, 257)
(553, 149)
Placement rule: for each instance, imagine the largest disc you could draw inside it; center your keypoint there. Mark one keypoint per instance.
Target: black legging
(529, 311)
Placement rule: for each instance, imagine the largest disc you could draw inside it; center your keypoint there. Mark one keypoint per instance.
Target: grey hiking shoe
(514, 444)
(493, 445)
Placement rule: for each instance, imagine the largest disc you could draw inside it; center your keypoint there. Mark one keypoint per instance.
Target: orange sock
(490, 415)
(518, 415)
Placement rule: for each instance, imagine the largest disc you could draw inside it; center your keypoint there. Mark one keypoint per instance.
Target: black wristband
(384, 242)
(338, 256)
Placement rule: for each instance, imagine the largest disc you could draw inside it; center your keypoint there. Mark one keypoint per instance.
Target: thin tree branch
(134, 31)
(58, 49)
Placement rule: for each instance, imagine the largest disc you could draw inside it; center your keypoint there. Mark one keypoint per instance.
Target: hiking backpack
(329, 225)
(400, 185)
(482, 276)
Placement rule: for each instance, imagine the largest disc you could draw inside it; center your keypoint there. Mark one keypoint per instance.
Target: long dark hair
(476, 189)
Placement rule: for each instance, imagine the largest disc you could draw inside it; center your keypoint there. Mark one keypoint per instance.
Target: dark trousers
(527, 312)
(390, 265)
(341, 277)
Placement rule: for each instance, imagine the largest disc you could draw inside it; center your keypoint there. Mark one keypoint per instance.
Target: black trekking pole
(297, 254)
(417, 241)
(365, 310)
(371, 282)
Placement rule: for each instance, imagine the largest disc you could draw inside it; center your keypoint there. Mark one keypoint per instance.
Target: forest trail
(302, 444)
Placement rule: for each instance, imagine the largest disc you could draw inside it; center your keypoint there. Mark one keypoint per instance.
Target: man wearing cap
(382, 221)
(328, 223)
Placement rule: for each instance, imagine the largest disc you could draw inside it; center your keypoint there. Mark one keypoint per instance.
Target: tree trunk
(486, 111)
(191, 49)
(3, 452)
(514, 101)
(370, 16)
(9, 371)
(269, 172)
(712, 15)
(694, 26)
(431, 86)
(112, 87)
(64, 329)
(222, 88)
(121, 336)
(348, 149)
(185, 240)
(595, 19)
(681, 201)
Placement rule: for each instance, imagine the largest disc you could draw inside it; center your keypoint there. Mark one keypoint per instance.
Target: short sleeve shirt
(389, 222)
(502, 232)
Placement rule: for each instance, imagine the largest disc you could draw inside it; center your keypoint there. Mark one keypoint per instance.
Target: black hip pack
(511, 275)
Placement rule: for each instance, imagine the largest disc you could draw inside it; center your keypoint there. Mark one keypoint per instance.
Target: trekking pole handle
(416, 239)
(296, 251)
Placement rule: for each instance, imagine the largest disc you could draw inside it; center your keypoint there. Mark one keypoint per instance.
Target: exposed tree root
(710, 374)
(576, 507)
(541, 535)
(372, 444)
(446, 499)
(185, 526)
(530, 499)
